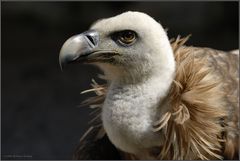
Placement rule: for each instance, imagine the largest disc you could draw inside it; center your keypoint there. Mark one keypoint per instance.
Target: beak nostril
(91, 40)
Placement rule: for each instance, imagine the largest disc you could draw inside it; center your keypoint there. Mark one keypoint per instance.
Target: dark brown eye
(125, 38)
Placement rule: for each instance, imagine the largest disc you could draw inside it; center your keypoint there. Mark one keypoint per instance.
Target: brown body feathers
(202, 122)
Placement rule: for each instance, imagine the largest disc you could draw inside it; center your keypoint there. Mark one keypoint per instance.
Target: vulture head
(129, 47)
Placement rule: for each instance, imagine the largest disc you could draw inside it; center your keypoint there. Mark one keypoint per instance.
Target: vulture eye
(125, 38)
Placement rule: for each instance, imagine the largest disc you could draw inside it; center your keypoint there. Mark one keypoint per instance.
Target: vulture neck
(152, 87)
(131, 107)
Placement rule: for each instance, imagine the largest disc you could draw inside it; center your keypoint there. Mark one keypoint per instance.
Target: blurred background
(39, 114)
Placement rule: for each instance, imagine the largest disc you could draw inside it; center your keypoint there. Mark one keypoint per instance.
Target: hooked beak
(83, 48)
(78, 47)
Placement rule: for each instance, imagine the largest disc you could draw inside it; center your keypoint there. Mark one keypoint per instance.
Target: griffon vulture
(162, 99)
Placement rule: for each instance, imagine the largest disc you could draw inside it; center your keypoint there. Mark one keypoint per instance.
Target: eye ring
(125, 37)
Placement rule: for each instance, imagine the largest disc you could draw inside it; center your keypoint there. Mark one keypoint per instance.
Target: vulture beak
(78, 48)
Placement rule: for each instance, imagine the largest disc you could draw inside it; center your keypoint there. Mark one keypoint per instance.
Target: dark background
(39, 113)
